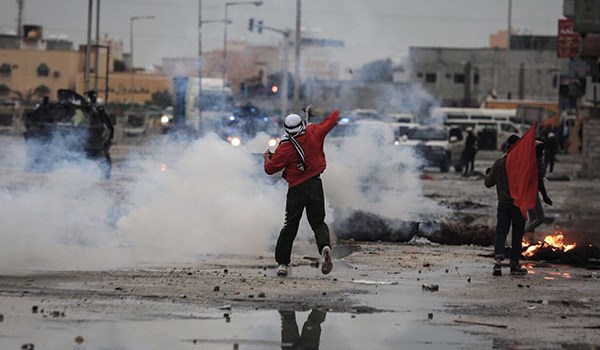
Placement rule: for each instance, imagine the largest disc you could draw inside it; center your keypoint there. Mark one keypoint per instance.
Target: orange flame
(554, 242)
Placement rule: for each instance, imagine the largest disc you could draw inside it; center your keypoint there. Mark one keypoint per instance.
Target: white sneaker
(326, 263)
(282, 270)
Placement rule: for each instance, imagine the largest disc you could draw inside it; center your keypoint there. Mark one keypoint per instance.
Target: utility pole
(297, 52)
(86, 73)
(200, 65)
(509, 29)
(96, 59)
(20, 18)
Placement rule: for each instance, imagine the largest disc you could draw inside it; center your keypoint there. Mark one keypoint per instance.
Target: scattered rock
(262, 295)
(1, 318)
(78, 339)
(225, 307)
(430, 287)
(430, 316)
(426, 264)
(469, 280)
(27, 346)
(183, 296)
(34, 309)
(216, 289)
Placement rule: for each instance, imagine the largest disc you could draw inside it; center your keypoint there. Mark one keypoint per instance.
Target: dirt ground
(554, 307)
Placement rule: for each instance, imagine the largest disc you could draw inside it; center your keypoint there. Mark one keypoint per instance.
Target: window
(5, 70)
(448, 76)
(430, 77)
(4, 90)
(459, 78)
(42, 90)
(43, 70)
(476, 79)
(555, 81)
(509, 128)
(420, 75)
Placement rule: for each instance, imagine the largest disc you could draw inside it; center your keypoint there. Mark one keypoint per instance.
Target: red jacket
(285, 157)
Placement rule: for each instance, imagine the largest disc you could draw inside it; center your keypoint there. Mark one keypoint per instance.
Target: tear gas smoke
(179, 201)
(369, 173)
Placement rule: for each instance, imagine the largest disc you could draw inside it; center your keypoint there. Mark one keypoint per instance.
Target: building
(32, 67)
(466, 76)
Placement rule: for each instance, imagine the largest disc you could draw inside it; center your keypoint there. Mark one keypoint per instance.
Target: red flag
(522, 172)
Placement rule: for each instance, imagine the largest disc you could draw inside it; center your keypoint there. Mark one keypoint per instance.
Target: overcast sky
(370, 29)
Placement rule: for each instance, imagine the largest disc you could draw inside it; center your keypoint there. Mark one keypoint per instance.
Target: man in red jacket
(300, 155)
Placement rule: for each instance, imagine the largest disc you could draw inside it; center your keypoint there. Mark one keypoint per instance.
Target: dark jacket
(498, 177)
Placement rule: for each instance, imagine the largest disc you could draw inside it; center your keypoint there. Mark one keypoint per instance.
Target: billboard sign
(568, 40)
(587, 16)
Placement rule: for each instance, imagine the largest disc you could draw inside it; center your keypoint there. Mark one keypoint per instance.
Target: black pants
(468, 161)
(309, 195)
(311, 330)
(509, 215)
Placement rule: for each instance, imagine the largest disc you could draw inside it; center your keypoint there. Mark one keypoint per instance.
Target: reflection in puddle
(310, 337)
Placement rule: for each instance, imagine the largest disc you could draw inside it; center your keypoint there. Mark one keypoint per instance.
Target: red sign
(568, 40)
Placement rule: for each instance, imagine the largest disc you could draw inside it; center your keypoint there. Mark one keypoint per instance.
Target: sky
(370, 29)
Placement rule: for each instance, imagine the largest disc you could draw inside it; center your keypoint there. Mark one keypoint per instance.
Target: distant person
(507, 215)
(301, 157)
(536, 216)
(550, 151)
(469, 152)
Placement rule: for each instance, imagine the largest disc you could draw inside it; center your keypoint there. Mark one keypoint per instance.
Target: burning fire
(554, 242)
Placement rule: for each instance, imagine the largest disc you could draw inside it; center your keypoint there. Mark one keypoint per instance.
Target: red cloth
(312, 141)
(522, 172)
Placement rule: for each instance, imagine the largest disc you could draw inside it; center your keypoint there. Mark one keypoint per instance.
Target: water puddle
(231, 329)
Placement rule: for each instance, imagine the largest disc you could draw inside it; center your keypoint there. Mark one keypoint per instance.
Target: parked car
(244, 123)
(438, 146)
(143, 121)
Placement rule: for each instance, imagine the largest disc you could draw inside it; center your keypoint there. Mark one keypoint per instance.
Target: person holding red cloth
(301, 157)
(515, 177)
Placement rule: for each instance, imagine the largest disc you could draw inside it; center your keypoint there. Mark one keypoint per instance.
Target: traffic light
(259, 27)
(251, 24)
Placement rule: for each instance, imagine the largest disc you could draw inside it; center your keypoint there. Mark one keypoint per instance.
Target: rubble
(430, 287)
(365, 226)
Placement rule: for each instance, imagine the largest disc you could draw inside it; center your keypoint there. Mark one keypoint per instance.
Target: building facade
(465, 77)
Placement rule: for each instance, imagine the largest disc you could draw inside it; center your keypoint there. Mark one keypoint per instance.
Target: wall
(62, 65)
(515, 74)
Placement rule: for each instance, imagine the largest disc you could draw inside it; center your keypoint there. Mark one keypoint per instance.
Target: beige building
(33, 67)
(27, 71)
(119, 86)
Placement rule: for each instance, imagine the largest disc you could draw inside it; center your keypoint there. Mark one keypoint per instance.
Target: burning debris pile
(364, 226)
(554, 248)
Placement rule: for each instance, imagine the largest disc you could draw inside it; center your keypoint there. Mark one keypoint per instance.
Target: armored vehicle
(68, 129)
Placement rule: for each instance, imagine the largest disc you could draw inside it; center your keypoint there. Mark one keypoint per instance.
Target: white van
(492, 126)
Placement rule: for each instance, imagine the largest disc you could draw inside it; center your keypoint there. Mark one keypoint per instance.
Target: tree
(162, 99)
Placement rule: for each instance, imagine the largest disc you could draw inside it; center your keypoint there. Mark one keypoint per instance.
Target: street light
(226, 21)
(131, 19)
